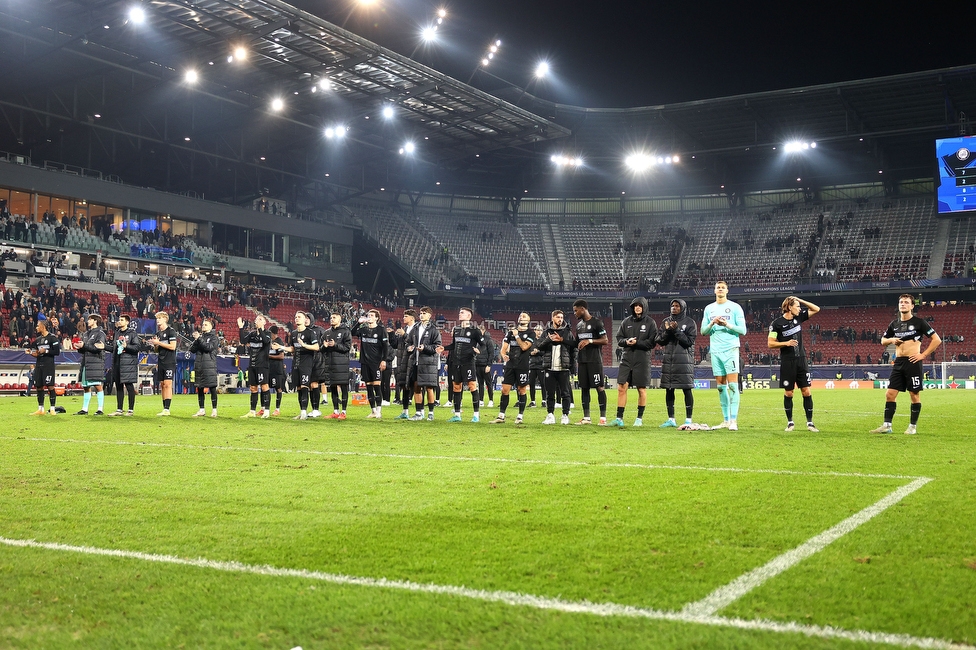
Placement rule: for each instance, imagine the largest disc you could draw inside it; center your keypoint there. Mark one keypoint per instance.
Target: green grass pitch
(275, 534)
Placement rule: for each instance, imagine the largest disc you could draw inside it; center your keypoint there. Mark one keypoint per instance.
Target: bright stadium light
(796, 146)
(541, 70)
(639, 162)
(240, 52)
(137, 15)
(442, 13)
(388, 112)
(408, 148)
(191, 76)
(429, 34)
(277, 104)
(561, 160)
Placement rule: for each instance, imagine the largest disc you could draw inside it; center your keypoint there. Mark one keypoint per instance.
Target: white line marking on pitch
(511, 598)
(724, 596)
(466, 459)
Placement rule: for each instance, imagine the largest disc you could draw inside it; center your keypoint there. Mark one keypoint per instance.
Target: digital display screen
(956, 190)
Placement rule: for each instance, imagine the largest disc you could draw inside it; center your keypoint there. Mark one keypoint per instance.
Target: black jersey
(590, 330)
(374, 346)
(518, 358)
(47, 346)
(908, 330)
(306, 336)
(788, 329)
(464, 340)
(276, 359)
(258, 345)
(166, 358)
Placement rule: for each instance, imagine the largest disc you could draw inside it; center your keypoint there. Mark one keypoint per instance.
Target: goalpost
(956, 371)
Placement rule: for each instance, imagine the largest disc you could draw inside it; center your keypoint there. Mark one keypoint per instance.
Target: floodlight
(442, 13)
(639, 162)
(388, 112)
(325, 84)
(541, 70)
(498, 43)
(277, 104)
(137, 15)
(341, 131)
(493, 48)
(408, 147)
(191, 76)
(330, 133)
(485, 61)
(428, 34)
(240, 53)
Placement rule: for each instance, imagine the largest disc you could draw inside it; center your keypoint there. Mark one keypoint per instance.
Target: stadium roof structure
(88, 65)
(86, 85)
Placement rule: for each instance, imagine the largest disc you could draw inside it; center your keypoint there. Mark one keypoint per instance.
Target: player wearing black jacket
(559, 349)
(483, 365)
(336, 344)
(257, 342)
(45, 347)
(125, 363)
(91, 374)
(465, 347)
(374, 348)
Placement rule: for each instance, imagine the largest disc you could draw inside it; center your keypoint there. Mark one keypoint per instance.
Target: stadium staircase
(939, 247)
(553, 243)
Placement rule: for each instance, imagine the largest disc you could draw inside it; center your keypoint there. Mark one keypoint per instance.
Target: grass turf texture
(434, 503)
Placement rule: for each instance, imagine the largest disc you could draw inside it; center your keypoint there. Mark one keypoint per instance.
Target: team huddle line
(550, 355)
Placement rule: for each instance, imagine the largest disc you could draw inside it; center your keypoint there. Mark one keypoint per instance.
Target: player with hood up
(636, 336)
(677, 336)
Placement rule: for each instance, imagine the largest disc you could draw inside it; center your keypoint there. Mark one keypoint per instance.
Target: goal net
(955, 371)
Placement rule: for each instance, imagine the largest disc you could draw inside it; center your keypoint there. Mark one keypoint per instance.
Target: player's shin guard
(808, 407)
(788, 407)
(53, 397)
(585, 403)
(522, 401)
(213, 397)
(890, 411)
(475, 404)
(278, 395)
(303, 398)
(456, 400)
(601, 398)
(916, 409)
(723, 400)
(266, 400)
(669, 402)
(254, 401)
(370, 396)
(503, 404)
(40, 399)
(316, 394)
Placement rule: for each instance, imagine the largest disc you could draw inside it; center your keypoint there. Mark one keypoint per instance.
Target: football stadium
(367, 324)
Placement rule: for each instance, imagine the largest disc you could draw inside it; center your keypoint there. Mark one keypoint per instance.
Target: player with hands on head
(786, 335)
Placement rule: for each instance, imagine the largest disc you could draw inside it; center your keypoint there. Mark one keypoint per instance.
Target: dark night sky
(644, 53)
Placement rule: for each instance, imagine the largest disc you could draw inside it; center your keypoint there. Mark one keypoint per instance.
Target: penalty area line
(511, 598)
(462, 459)
(726, 595)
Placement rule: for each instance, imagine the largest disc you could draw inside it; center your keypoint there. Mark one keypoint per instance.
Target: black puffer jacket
(335, 358)
(425, 361)
(205, 363)
(678, 369)
(125, 355)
